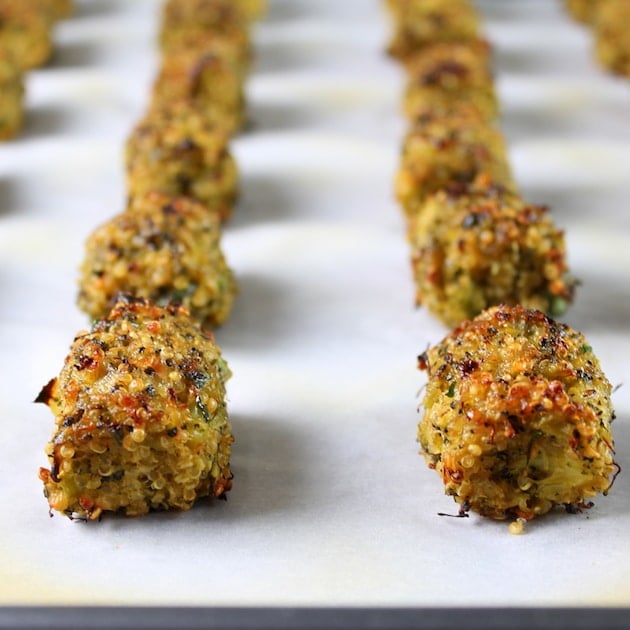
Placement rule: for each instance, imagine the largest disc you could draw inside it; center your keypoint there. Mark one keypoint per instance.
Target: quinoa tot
(481, 246)
(517, 415)
(450, 72)
(141, 422)
(612, 38)
(26, 29)
(442, 150)
(58, 9)
(11, 95)
(207, 83)
(175, 150)
(583, 10)
(207, 26)
(163, 248)
(417, 23)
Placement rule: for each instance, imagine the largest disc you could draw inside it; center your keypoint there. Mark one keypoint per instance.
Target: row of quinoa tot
(150, 428)
(474, 240)
(517, 410)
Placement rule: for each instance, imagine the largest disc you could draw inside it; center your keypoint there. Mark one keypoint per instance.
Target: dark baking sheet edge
(307, 618)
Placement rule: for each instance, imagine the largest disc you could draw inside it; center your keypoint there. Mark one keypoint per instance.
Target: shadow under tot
(283, 56)
(284, 10)
(523, 123)
(562, 206)
(8, 196)
(530, 61)
(268, 462)
(262, 199)
(95, 8)
(497, 11)
(46, 120)
(602, 302)
(257, 320)
(75, 54)
(276, 117)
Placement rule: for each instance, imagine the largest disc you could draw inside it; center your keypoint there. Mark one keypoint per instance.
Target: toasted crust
(517, 415)
(237, 53)
(140, 416)
(210, 15)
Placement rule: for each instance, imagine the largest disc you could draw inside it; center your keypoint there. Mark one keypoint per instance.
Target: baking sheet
(331, 505)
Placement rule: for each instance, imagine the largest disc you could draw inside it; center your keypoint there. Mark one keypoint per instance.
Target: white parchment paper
(331, 505)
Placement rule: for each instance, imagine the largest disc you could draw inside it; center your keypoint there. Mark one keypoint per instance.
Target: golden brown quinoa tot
(64, 8)
(480, 246)
(207, 82)
(441, 150)
(517, 415)
(583, 10)
(210, 15)
(207, 26)
(26, 29)
(417, 23)
(140, 416)
(237, 54)
(58, 9)
(612, 37)
(175, 150)
(163, 248)
(445, 73)
(11, 95)
(253, 9)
